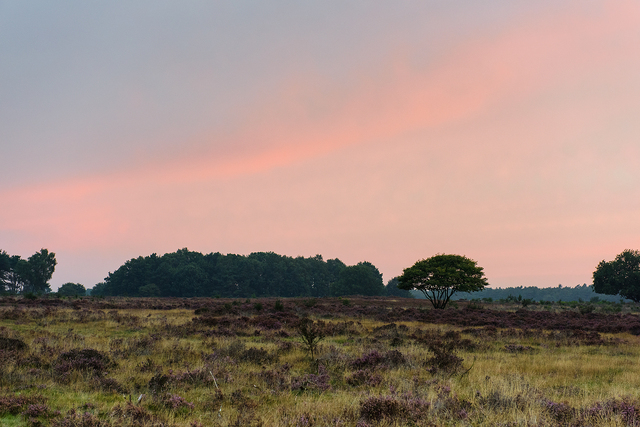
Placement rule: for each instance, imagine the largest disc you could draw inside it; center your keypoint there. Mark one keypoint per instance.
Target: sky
(505, 131)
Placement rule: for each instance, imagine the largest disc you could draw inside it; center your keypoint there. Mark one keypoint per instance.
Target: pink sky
(507, 133)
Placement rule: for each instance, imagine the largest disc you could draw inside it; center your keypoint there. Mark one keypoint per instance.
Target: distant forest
(261, 274)
(560, 293)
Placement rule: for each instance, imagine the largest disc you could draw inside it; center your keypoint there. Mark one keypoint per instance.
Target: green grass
(494, 385)
(12, 421)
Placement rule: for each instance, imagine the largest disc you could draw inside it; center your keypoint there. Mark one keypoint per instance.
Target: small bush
(363, 377)
(175, 402)
(73, 419)
(158, 383)
(87, 360)
(560, 412)
(444, 357)
(311, 334)
(13, 405)
(379, 408)
(312, 382)
(374, 358)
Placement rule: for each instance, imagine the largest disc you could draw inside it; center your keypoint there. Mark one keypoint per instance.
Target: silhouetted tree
(31, 275)
(71, 289)
(620, 276)
(188, 274)
(360, 279)
(440, 276)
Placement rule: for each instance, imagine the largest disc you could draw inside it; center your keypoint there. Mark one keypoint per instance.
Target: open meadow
(316, 362)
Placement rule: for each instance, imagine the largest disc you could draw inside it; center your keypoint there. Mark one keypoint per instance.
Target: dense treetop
(30, 275)
(620, 276)
(441, 276)
(186, 273)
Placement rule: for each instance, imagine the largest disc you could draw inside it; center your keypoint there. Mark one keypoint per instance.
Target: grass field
(134, 362)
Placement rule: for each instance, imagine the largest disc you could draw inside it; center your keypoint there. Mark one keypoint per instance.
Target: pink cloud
(471, 127)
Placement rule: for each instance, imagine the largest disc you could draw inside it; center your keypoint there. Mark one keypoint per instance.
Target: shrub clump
(176, 402)
(74, 419)
(13, 405)
(85, 360)
(363, 377)
(130, 414)
(312, 382)
(374, 358)
(276, 379)
(12, 344)
(444, 357)
(393, 407)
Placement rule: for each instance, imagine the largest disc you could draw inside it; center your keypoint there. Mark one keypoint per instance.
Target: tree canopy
(186, 273)
(360, 279)
(18, 275)
(440, 276)
(392, 290)
(620, 276)
(72, 289)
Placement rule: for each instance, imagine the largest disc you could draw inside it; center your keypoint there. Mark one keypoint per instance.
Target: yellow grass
(519, 383)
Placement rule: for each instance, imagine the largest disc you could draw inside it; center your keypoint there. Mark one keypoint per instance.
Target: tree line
(533, 293)
(186, 273)
(23, 276)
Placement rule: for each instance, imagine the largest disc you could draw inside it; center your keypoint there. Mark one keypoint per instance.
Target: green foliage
(149, 290)
(620, 276)
(42, 264)
(71, 289)
(98, 289)
(311, 334)
(26, 276)
(392, 289)
(360, 279)
(191, 274)
(440, 276)
(586, 308)
(278, 306)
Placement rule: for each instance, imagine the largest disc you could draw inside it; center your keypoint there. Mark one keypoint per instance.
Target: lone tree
(441, 276)
(620, 276)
